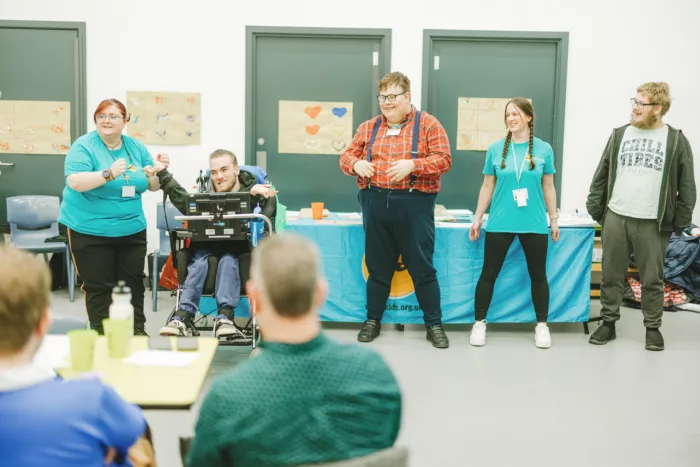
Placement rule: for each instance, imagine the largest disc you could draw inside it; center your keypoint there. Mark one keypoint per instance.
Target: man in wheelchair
(226, 176)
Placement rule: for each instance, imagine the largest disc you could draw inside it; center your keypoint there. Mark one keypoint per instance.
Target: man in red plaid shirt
(398, 189)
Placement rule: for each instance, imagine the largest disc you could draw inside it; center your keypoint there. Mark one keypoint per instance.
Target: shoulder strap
(414, 145)
(377, 124)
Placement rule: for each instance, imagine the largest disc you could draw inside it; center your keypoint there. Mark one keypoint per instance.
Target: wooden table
(152, 387)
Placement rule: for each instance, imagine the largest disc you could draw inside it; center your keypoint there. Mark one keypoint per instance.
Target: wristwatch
(107, 174)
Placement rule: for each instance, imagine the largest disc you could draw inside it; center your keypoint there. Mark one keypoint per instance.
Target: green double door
(492, 65)
(40, 61)
(311, 65)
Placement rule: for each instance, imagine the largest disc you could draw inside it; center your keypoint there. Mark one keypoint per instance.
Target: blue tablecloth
(458, 262)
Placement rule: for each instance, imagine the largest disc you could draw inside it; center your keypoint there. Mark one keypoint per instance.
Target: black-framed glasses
(389, 97)
(638, 105)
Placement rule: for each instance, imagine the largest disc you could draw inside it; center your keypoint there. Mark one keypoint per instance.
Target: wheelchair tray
(211, 230)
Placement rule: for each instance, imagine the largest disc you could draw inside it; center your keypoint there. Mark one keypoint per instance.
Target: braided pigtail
(531, 124)
(505, 150)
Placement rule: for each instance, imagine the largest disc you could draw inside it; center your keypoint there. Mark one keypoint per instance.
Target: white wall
(179, 45)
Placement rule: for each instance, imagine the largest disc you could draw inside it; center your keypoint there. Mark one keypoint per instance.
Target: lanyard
(518, 174)
(128, 154)
(131, 165)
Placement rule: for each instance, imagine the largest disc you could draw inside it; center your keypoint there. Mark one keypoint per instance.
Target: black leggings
(102, 262)
(495, 251)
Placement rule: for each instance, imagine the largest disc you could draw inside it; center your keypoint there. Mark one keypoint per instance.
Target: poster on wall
(314, 127)
(480, 122)
(167, 118)
(34, 127)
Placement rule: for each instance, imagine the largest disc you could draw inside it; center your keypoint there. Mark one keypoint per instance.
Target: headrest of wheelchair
(260, 174)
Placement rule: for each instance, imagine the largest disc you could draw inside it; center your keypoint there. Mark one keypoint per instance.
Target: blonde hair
(25, 290)
(659, 93)
(395, 78)
(286, 268)
(224, 152)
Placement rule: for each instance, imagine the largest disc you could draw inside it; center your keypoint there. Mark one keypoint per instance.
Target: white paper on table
(53, 352)
(459, 212)
(350, 215)
(576, 219)
(161, 358)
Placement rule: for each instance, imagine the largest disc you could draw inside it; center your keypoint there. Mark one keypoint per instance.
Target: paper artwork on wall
(167, 118)
(34, 127)
(314, 127)
(480, 122)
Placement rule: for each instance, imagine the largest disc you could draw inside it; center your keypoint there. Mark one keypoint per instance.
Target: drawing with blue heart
(339, 111)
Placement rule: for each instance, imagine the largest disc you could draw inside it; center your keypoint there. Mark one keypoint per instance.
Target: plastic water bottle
(257, 227)
(121, 307)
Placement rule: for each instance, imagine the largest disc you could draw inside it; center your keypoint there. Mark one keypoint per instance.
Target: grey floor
(511, 404)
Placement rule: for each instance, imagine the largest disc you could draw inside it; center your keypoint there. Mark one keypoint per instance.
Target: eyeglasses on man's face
(640, 105)
(389, 97)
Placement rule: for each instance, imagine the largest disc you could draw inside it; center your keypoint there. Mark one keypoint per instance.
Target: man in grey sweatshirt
(643, 189)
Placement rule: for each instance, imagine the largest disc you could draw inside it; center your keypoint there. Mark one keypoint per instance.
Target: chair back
(63, 324)
(395, 456)
(170, 211)
(32, 218)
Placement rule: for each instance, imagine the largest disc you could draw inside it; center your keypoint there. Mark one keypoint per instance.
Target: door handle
(7, 164)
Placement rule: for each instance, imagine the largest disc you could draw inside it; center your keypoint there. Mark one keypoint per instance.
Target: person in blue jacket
(45, 420)
(106, 174)
(519, 186)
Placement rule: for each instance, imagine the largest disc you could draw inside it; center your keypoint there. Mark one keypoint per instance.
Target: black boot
(603, 334)
(140, 330)
(436, 335)
(370, 330)
(655, 341)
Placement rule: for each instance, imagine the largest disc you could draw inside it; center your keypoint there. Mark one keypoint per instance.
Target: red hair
(108, 102)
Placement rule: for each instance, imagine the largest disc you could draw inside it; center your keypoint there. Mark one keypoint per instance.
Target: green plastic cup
(118, 334)
(82, 349)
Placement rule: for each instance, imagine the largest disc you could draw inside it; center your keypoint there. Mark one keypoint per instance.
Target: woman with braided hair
(519, 186)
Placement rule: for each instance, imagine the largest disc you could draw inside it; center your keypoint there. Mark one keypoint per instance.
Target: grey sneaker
(175, 327)
(224, 328)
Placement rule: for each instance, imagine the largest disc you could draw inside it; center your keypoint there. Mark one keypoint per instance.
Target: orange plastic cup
(317, 211)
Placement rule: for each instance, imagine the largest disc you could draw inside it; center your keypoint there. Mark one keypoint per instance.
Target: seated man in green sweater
(305, 398)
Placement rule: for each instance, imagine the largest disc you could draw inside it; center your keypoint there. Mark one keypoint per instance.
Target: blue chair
(63, 324)
(33, 219)
(162, 252)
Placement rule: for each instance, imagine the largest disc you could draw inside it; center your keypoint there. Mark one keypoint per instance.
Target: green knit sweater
(319, 401)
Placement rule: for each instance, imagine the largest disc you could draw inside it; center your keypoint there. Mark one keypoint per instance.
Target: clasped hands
(398, 171)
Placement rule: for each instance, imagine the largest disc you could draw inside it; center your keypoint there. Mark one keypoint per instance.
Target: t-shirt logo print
(401, 282)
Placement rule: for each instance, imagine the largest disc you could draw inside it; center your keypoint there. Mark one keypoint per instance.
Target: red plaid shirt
(433, 158)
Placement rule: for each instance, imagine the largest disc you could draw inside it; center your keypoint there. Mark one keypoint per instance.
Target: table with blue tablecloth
(458, 262)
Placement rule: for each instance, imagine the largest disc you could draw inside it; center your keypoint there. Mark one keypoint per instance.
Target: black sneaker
(140, 330)
(436, 335)
(370, 330)
(655, 341)
(603, 334)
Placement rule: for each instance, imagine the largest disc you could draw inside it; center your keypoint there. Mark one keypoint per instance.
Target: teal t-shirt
(505, 215)
(103, 211)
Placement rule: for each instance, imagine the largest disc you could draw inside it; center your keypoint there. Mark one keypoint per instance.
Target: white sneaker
(478, 334)
(175, 327)
(542, 338)
(224, 328)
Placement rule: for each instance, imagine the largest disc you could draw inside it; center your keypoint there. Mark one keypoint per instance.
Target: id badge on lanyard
(520, 195)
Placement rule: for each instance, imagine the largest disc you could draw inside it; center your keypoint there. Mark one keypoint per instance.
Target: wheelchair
(182, 257)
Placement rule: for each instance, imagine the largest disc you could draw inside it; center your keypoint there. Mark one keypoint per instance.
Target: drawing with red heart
(312, 129)
(313, 111)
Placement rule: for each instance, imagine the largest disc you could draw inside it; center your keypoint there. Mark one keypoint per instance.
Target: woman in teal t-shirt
(519, 185)
(106, 173)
